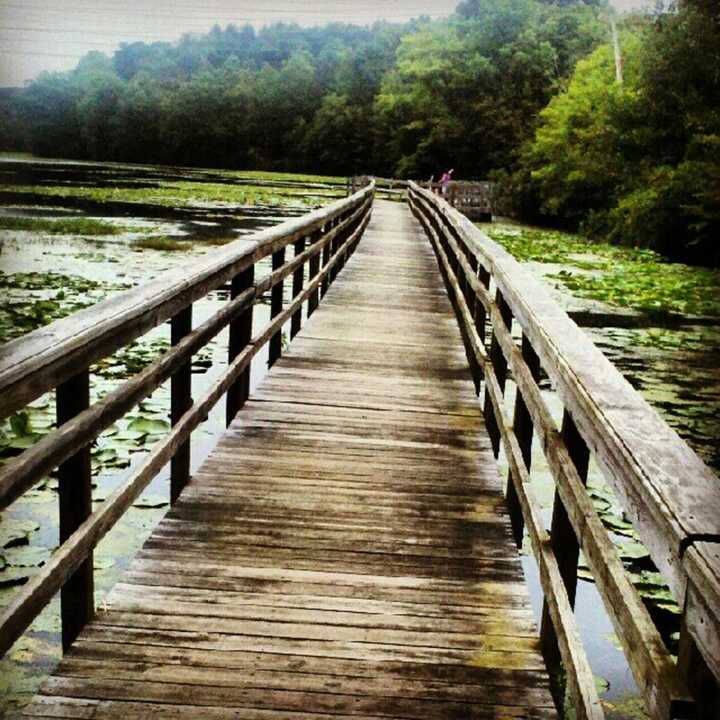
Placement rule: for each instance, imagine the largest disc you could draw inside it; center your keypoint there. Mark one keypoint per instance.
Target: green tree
(577, 157)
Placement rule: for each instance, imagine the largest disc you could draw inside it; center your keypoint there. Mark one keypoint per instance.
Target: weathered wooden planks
(345, 551)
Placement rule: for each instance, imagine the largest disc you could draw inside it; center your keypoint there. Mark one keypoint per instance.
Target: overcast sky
(38, 35)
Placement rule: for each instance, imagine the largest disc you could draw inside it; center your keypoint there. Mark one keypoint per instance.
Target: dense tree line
(393, 99)
(522, 90)
(638, 162)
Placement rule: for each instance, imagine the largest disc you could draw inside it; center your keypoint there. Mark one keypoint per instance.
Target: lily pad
(27, 556)
(601, 684)
(617, 524)
(20, 424)
(149, 426)
(12, 576)
(633, 551)
(16, 532)
(151, 502)
(128, 436)
(103, 563)
(24, 442)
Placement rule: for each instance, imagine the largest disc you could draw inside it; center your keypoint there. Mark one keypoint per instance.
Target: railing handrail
(609, 412)
(671, 496)
(323, 239)
(40, 360)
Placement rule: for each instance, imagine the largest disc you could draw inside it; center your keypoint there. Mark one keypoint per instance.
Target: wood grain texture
(665, 693)
(345, 551)
(669, 494)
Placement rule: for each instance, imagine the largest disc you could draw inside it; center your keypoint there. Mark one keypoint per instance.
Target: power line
(209, 5)
(38, 53)
(80, 32)
(331, 15)
(171, 9)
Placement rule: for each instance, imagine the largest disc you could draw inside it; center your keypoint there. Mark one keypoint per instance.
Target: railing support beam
(240, 332)
(75, 495)
(523, 427)
(180, 402)
(313, 270)
(276, 305)
(566, 547)
(500, 366)
(702, 683)
(297, 286)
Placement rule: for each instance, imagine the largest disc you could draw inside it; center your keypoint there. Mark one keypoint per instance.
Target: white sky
(38, 35)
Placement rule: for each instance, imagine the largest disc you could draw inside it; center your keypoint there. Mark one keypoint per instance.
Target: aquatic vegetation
(650, 287)
(286, 177)
(632, 278)
(28, 531)
(63, 226)
(21, 671)
(162, 243)
(528, 243)
(179, 194)
(34, 299)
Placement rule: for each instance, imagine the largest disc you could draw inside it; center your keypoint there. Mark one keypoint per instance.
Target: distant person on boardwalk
(445, 181)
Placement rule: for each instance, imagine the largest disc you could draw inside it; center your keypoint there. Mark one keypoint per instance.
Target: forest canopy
(523, 91)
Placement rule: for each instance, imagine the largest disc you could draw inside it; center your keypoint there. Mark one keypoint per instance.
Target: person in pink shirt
(445, 181)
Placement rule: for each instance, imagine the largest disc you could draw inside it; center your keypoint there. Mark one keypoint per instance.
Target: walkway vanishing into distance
(346, 550)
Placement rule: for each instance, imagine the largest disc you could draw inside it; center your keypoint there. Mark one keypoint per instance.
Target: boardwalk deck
(345, 551)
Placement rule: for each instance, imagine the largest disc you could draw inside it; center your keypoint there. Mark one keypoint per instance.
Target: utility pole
(616, 47)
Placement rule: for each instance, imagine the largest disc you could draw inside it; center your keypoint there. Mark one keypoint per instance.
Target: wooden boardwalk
(345, 551)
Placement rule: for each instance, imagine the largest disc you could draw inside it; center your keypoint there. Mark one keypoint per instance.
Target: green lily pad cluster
(527, 243)
(131, 359)
(64, 226)
(643, 574)
(650, 287)
(136, 356)
(17, 559)
(35, 299)
(169, 193)
(627, 277)
(23, 429)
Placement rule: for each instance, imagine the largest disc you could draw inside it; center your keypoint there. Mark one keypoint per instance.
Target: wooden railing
(386, 188)
(670, 495)
(472, 198)
(59, 357)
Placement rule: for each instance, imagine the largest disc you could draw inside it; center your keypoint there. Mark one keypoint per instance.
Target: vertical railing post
(463, 281)
(337, 240)
(353, 227)
(698, 676)
(523, 427)
(473, 302)
(346, 233)
(444, 231)
(240, 334)
(480, 314)
(566, 547)
(326, 254)
(276, 305)
(297, 286)
(75, 496)
(180, 403)
(313, 270)
(499, 364)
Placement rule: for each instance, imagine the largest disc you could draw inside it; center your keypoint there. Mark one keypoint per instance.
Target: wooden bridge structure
(349, 548)
(473, 198)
